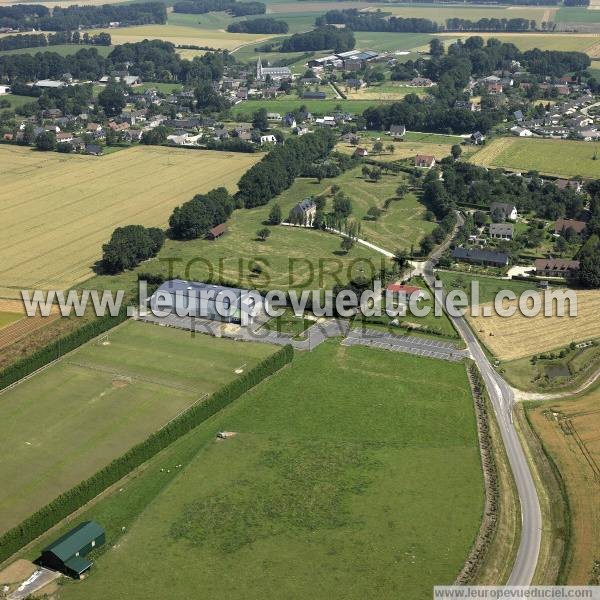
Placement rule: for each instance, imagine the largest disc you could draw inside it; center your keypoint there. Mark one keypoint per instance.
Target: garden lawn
(348, 477)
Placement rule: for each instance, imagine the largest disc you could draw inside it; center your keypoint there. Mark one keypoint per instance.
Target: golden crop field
(518, 336)
(182, 35)
(59, 209)
(569, 432)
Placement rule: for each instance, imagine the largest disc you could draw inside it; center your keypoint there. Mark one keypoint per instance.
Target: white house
(4, 89)
(521, 131)
(268, 139)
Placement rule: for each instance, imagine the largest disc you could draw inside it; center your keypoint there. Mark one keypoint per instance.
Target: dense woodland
(237, 9)
(71, 18)
(321, 38)
(265, 25)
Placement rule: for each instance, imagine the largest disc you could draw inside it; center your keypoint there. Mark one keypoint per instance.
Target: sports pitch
(345, 474)
(59, 209)
(73, 418)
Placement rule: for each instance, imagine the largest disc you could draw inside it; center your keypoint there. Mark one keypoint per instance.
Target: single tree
(263, 234)
(456, 151)
(275, 215)
(46, 141)
(347, 244)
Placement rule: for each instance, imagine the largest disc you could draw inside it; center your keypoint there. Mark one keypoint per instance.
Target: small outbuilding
(67, 553)
(216, 232)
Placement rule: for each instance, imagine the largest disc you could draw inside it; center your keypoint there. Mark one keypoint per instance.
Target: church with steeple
(275, 73)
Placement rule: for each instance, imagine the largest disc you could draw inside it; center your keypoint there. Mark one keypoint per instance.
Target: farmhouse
(521, 131)
(502, 231)
(507, 212)
(361, 152)
(67, 553)
(477, 138)
(205, 300)
(304, 212)
(424, 161)
(487, 258)
(556, 267)
(569, 184)
(397, 131)
(563, 225)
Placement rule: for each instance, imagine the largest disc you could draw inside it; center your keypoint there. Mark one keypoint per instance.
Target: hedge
(73, 499)
(58, 348)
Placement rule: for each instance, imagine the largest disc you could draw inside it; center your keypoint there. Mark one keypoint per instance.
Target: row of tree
(237, 9)
(41, 40)
(490, 24)
(72, 18)
(278, 169)
(376, 21)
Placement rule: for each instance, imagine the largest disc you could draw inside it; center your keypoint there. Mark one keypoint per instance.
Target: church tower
(259, 74)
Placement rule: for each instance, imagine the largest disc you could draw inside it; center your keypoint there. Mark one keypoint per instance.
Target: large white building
(274, 72)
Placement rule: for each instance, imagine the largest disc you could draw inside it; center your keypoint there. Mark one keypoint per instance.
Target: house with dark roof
(314, 95)
(304, 212)
(502, 231)
(361, 152)
(563, 225)
(397, 131)
(556, 267)
(569, 184)
(67, 553)
(476, 256)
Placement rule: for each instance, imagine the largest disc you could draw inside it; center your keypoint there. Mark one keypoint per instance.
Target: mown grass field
(407, 149)
(569, 433)
(566, 158)
(386, 91)
(577, 14)
(68, 421)
(60, 209)
(331, 488)
(7, 318)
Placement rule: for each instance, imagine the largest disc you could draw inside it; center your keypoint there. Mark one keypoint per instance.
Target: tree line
(321, 38)
(490, 24)
(74, 17)
(376, 21)
(154, 60)
(265, 25)
(41, 40)
(236, 9)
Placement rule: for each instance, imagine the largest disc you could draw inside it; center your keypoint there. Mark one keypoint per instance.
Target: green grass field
(565, 158)
(284, 104)
(62, 49)
(16, 101)
(577, 14)
(68, 421)
(6, 318)
(332, 488)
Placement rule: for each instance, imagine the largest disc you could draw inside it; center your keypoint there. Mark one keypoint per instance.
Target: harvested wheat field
(518, 336)
(59, 209)
(569, 432)
(15, 325)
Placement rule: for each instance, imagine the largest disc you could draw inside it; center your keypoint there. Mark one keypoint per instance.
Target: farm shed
(67, 553)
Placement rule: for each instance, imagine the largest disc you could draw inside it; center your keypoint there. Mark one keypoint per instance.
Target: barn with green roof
(67, 553)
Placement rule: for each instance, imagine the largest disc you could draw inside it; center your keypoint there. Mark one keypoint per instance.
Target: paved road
(502, 399)
(37, 581)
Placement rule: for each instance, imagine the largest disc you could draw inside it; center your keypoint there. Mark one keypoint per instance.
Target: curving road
(502, 399)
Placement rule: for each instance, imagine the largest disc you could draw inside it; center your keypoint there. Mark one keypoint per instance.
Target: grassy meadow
(565, 158)
(283, 104)
(60, 208)
(70, 420)
(293, 257)
(336, 470)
